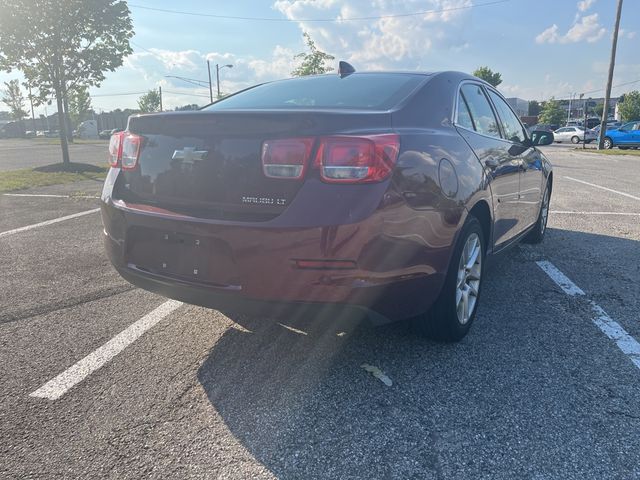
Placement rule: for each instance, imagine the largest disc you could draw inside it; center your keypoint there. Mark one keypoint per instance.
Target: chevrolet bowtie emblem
(189, 155)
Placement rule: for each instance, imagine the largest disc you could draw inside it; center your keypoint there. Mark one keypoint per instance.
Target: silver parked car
(573, 135)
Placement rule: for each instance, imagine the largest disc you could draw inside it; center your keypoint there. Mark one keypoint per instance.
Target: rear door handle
(491, 163)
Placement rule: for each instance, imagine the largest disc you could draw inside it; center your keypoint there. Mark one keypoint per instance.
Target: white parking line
(560, 278)
(47, 195)
(48, 222)
(569, 212)
(604, 188)
(57, 387)
(603, 321)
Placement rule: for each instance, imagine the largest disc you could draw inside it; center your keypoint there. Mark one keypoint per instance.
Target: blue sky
(543, 48)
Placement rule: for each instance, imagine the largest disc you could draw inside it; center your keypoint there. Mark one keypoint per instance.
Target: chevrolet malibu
(380, 193)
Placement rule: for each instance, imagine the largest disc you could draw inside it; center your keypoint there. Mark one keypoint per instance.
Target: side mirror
(541, 137)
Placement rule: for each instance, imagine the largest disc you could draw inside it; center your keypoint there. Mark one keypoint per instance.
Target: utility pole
(584, 140)
(569, 111)
(612, 62)
(210, 86)
(33, 117)
(218, 79)
(160, 92)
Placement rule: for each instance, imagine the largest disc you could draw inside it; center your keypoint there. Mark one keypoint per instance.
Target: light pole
(569, 111)
(218, 68)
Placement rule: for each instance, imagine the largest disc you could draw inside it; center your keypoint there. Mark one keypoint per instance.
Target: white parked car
(573, 135)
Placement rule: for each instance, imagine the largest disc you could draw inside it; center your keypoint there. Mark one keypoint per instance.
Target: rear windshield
(369, 91)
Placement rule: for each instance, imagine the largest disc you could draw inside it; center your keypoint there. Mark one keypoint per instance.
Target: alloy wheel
(469, 276)
(607, 143)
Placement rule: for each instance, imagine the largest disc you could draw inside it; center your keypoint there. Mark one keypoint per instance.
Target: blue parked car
(626, 136)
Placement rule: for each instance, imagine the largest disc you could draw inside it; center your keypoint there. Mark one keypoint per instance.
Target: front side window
(481, 113)
(511, 126)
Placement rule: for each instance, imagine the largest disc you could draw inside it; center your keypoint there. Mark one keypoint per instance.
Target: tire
(575, 139)
(536, 235)
(623, 148)
(446, 320)
(608, 143)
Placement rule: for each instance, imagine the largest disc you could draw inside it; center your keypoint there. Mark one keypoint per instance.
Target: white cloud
(585, 5)
(149, 69)
(622, 33)
(586, 28)
(385, 42)
(550, 35)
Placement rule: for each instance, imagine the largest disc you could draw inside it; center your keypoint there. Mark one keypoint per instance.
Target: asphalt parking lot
(30, 153)
(546, 385)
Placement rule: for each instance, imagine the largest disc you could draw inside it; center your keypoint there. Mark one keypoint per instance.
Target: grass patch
(613, 151)
(55, 174)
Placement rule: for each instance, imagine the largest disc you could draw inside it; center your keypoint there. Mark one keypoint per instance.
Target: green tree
(79, 105)
(314, 62)
(191, 106)
(12, 97)
(551, 112)
(629, 108)
(488, 75)
(149, 102)
(534, 108)
(598, 109)
(60, 45)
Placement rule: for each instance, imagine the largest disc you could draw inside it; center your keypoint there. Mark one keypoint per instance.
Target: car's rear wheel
(575, 139)
(608, 143)
(451, 316)
(536, 235)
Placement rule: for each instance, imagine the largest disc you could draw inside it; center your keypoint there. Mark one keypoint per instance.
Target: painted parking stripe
(560, 278)
(57, 387)
(612, 329)
(47, 195)
(48, 222)
(569, 212)
(604, 188)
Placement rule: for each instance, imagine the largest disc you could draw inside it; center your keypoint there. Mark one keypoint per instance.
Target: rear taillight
(365, 159)
(115, 149)
(130, 150)
(340, 159)
(286, 158)
(124, 150)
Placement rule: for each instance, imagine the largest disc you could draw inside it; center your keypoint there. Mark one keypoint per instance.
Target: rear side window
(369, 91)
(463, 116)
(511, 126)
(481, 113)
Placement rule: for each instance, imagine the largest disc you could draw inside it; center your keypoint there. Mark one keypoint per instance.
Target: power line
(600, 89)
(187, 94)
(614, 86)
(350, 19)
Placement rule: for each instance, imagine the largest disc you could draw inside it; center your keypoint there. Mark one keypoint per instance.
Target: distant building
(520, 106)
(577, 106)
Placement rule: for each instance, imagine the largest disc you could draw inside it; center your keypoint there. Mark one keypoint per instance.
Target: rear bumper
(394, 277)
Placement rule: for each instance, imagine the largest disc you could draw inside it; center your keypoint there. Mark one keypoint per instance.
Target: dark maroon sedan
(379, 192)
